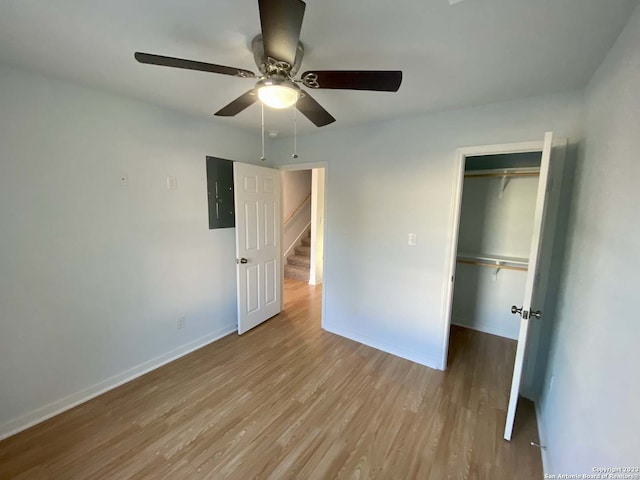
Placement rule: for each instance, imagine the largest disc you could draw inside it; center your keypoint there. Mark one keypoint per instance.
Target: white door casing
(258, 231)
(533, 296)
(317, 225)
(454, 221)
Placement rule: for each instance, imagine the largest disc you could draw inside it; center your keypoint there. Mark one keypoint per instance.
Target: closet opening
(495, 231)
(494, 240)
(503, 221)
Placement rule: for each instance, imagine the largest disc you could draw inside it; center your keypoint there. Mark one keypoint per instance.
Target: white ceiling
(453, 55)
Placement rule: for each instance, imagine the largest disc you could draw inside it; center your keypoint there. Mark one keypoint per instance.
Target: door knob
(537, 314)
(515, 309)
(244, 260)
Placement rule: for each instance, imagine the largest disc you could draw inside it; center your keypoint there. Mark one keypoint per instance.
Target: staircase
(299, 264)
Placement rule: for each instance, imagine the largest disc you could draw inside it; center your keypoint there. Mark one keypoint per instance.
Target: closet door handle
(535, 314)
(515, 309)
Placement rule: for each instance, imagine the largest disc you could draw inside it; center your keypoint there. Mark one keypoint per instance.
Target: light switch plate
(172, 182)
(412, 240)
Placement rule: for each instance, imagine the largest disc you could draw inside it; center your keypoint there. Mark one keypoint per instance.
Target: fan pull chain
(295, 133)
(263, 158)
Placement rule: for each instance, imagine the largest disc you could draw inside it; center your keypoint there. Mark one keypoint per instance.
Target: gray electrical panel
(220, 193)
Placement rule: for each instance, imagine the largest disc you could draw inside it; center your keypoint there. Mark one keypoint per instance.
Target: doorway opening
(303, 232)
(494, 239)
(500, 251)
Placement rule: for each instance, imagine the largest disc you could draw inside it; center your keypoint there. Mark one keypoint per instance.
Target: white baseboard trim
(55, 408)
(542, 434)
(420, 358)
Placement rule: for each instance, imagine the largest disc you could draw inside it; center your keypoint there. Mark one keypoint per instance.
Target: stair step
(296, 272)
(303, 250)
(300, 260)
(306, 242)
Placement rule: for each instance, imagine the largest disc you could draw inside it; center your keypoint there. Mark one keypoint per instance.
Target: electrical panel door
(220, 193)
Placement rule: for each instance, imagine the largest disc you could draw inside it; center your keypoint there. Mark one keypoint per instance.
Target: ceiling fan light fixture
(276, 92)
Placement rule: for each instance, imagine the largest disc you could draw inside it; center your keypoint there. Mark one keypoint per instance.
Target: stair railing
(293, 214)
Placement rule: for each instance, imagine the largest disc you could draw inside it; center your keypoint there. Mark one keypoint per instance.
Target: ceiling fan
(278, 54)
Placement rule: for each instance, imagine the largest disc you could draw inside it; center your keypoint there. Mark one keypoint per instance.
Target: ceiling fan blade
(314, 111)
(281, 21)
(151, 59)
(379, 81)
(239, 104)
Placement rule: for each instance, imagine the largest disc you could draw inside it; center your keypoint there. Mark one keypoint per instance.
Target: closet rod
(512, 174)
(492, 265)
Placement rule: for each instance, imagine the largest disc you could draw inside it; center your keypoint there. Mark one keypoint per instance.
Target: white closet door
(533, 296)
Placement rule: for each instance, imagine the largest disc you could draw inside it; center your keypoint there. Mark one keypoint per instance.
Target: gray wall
(296, 186)
(389, 179)
(589, 404)
(96, 273)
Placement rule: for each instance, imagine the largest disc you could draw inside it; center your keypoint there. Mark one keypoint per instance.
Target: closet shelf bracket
(495, 274)
(503, 185)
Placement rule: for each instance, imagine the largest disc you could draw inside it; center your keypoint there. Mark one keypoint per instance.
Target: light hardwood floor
(289, 400)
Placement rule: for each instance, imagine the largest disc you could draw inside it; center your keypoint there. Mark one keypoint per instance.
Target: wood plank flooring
(289, 400)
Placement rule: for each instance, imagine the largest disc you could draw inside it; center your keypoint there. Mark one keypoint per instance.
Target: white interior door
(534, 290)
(258, 256)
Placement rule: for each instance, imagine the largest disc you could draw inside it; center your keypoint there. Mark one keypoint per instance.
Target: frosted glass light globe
(277, 93)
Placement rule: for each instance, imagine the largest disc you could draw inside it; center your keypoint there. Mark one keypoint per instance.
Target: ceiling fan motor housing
(270, 66)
